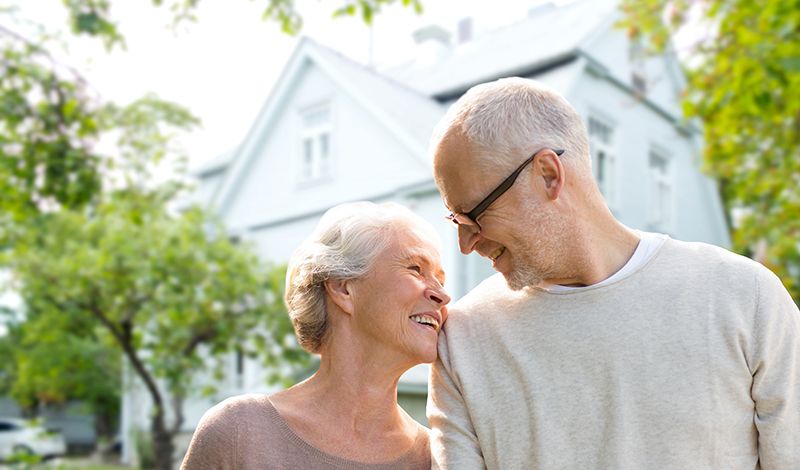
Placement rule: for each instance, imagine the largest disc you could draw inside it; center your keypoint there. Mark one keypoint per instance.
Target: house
(333, 130)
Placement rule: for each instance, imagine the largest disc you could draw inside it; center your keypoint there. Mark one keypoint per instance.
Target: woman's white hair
(344, 245)
(512, 117)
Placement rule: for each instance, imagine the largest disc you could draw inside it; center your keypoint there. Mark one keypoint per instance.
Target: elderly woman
(365, 293)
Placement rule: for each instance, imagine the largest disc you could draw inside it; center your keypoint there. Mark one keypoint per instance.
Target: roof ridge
(369, 70)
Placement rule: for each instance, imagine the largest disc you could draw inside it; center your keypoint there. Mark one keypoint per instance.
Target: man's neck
(598, 251)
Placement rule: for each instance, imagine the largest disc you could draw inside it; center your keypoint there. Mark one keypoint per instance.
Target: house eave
(526, 70)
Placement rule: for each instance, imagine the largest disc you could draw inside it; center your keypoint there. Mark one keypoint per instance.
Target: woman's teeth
(426, 320)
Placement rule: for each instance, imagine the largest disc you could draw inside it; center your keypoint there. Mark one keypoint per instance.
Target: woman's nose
(438, 296)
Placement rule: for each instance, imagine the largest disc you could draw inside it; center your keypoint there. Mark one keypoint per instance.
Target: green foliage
(23, 459)
(56, 362)
(145, 455)
(744, 86)
(93, 17)
(47, 130)
(161, 285)
(105, 265)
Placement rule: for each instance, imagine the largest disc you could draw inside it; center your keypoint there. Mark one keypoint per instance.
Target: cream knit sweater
(690, 362)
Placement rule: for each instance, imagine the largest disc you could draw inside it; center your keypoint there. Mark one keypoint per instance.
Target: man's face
(520, 231)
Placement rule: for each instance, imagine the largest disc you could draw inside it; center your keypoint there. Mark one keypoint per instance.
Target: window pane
(660, 190)
(599, 131)
(601, 167)
(323, 145)
(308, 159)
(324, 153)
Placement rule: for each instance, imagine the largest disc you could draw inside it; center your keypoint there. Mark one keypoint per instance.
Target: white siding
(639, 128)
(366, 158)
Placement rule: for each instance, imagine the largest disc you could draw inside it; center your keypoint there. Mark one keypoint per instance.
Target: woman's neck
(357, 384)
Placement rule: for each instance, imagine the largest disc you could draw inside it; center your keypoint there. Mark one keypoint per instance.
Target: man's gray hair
(513, 117)
(344, 246)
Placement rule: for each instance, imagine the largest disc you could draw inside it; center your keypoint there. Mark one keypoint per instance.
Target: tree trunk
(163, 447)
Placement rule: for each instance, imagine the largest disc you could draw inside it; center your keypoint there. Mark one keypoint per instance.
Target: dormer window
(637, 55)
(315, 144)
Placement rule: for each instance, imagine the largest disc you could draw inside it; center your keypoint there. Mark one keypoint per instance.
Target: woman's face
(399, 307)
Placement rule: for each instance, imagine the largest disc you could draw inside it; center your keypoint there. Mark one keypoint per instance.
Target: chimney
(465, 30)
(433, 41)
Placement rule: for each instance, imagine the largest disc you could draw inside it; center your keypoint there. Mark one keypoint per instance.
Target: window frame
(317, 168)
(660, 201)
(608, 168)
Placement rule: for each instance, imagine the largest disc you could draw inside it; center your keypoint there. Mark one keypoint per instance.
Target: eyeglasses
(469, 220)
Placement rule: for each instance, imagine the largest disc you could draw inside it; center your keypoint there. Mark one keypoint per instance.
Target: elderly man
(597, 346)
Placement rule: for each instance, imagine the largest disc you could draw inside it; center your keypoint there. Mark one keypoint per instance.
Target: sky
(223, 66)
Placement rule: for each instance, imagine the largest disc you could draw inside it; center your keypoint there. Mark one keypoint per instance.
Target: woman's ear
(340, 294)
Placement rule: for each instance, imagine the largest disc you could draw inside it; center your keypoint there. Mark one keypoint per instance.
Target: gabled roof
(214, 165)
(550, 36)
(409, 104)
(404, 112)
(414, 112)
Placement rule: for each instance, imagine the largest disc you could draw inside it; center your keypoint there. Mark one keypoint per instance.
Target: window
(315, 138)
(660, 190)
(601, 139)
(637, 56)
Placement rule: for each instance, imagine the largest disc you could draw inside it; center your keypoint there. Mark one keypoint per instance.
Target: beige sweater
(690, 362)
(247, 433)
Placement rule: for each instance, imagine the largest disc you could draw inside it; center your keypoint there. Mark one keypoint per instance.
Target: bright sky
(224, 66)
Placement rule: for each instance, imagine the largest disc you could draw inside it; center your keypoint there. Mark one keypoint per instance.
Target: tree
(169, 291)
(743, 70)
(53, 361)
(48, 130)
(93, 17)
(49, 127)
(102, 261)
(122, 273)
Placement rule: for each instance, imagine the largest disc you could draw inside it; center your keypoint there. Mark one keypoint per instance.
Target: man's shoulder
(704, 264)
(491, 295)
(711, 257)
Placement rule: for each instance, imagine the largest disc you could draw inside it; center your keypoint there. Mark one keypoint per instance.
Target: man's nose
(467, 239)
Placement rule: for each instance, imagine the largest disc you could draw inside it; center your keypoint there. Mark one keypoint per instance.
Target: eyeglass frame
(477, 211)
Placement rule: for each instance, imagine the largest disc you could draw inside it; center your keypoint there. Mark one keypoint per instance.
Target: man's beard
(522, 277)
(541, 240)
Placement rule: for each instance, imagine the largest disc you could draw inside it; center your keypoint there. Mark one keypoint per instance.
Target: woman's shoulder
(235, 411)
(240, 404)
(214, 442)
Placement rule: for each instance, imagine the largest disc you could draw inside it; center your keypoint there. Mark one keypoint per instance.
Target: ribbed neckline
(331, 459)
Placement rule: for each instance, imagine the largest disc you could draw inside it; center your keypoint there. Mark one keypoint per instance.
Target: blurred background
(159, 161)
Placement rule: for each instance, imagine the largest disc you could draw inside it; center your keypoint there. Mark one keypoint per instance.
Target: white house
(333, 130)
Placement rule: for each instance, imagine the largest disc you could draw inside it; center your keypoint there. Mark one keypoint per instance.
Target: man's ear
(340, 294)
(552, 171)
